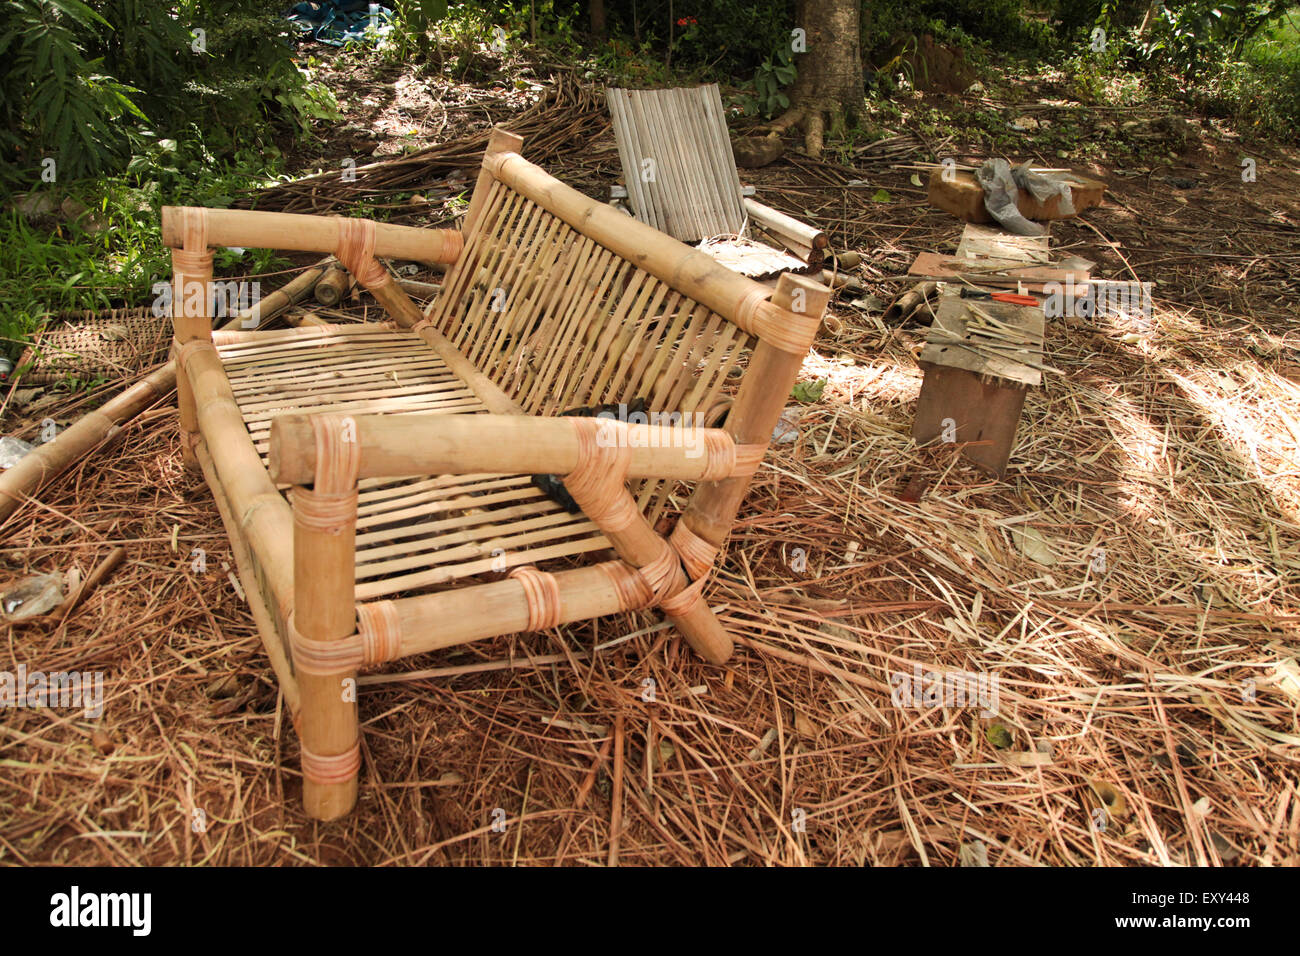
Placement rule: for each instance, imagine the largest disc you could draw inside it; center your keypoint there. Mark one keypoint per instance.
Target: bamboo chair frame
(571, 257)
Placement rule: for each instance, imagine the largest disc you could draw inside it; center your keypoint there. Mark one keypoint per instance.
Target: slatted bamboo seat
(377, 480)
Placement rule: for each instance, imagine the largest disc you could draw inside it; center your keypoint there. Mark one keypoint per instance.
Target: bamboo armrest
(184, 226)
(398, 446)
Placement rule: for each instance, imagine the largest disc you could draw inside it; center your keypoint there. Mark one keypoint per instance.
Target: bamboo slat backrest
(677, 160)
(558, 321)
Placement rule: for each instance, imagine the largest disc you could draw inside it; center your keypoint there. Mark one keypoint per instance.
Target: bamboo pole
(44, 462)
(324, 577)
(192, 303)
(399, 446)
(263, 516)
(283, 230)
(775, 221)
(266, 615)
(430, 622)
(762, 396)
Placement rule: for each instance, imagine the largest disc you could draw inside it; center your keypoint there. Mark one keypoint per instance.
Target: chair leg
(191, 321)
(324, 623)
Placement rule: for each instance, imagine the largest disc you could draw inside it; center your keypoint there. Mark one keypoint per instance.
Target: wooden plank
(994, 272)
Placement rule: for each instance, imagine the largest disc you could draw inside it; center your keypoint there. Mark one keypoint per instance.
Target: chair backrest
(677, 160)
(564, 302)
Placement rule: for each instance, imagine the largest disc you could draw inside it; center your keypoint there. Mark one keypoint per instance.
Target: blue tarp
(337, 22)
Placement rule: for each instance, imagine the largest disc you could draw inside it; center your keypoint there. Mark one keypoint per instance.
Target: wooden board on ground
(959, 193)
(991, 242)
(997, 272)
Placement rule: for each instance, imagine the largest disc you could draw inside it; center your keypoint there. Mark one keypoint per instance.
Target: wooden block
(973, 395)
(994, 272)
(963, 406)
(951, 319)
(961, 195)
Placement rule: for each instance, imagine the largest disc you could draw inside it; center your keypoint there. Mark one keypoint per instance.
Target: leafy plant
(772, 76)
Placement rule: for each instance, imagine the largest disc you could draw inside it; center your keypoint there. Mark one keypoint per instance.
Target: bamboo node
(696, 553)
(325, 769)
(542, 594)
(380, 627)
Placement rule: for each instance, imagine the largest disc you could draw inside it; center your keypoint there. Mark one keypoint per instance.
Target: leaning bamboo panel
(677, 159)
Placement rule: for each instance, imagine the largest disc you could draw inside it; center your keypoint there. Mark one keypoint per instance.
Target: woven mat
(97, 344)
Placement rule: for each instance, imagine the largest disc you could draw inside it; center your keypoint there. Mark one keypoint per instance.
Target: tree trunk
(597, 10)
(829, 85)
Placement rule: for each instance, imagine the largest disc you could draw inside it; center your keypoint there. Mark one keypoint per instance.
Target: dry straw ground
(1161, 678)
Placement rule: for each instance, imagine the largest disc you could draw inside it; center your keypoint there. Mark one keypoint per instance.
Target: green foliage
(112, 254)
(772, 76)
(55, 99)
(86, 82)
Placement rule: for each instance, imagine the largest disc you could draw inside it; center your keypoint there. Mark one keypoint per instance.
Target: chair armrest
(399, 446)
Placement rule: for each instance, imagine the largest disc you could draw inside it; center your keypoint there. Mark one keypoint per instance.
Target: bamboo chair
(374, 479)
(681, 178)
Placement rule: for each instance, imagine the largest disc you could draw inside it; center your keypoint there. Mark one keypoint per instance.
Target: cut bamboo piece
(787, 227)
(333, 286)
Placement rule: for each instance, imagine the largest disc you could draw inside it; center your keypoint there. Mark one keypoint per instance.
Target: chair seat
(412, 534)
